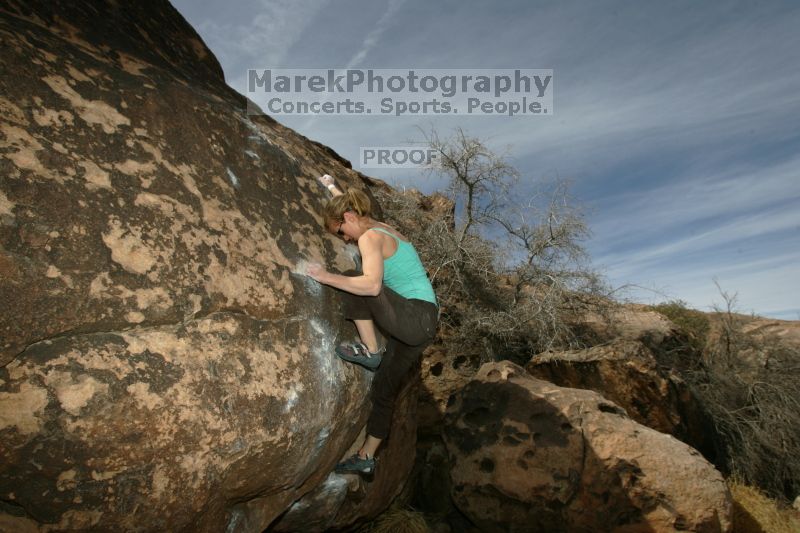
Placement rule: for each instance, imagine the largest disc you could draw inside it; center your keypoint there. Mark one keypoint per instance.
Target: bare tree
(544, 234)
(508, 276)
(730, 333)
(476, 175)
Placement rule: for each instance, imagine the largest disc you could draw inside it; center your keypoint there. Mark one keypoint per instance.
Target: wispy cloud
(253, 34)
(374, 35)
(703, 205)
(682, 252)
(370, 41)
(743, 228)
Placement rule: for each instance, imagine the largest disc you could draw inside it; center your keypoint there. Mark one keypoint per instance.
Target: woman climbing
(393, 291)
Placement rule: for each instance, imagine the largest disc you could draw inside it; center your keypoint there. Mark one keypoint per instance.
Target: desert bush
(748, 384)
(694, 323)
(758, 419)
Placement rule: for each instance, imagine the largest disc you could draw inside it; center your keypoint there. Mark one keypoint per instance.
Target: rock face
(626, 373)
(342, 500)
(531, 456)
(163, 367)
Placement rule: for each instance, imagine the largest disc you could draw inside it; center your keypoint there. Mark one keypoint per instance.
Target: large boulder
(528, 455)
(627, 373)
(163, 366)
(222, 421)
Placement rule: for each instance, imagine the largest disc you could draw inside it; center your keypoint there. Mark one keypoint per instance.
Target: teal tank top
(404, 274)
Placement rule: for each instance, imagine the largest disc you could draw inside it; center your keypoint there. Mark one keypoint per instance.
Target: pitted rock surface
(528, 455)
(626, 372)
(163, 364)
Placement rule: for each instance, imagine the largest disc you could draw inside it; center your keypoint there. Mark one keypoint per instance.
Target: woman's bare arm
(367, 284)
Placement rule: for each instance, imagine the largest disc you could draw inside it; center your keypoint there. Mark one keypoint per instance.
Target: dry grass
(754, 512)
(397, 520)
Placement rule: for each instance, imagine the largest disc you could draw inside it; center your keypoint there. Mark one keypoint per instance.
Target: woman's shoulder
(390, 229)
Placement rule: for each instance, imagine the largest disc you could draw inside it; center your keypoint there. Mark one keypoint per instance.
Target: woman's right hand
(327, 180)
(316, 271)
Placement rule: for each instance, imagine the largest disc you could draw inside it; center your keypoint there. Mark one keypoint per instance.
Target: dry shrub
(755, 512)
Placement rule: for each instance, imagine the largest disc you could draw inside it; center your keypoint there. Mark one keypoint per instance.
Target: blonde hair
(353, 200)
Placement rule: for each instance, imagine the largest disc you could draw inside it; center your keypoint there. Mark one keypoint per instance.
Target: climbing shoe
(356, 465)
(357, 352)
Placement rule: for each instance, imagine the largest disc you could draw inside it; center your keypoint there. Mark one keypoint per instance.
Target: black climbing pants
(410, 325)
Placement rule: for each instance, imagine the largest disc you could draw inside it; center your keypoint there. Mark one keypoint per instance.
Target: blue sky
(676, 122)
